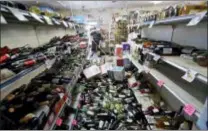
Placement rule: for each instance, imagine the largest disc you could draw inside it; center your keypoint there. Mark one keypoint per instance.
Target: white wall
(17, 35)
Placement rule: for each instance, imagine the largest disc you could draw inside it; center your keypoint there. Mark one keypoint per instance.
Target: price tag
(166, 123)
(151, 24)
(56, 21)
(36, 17)
(156, 57)
(74, 122)
(197, 18)
(59, 122)
(3, 21)
(19, 15)
(48, 20)
(70, 25)
(48, 64)
(155, 110)
(146, 69)
(160, 83)
(189, 75)
(79, 106)
(65, 24)
(189, 109)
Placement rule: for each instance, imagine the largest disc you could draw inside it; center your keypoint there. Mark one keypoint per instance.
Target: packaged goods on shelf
(121, 31)
(21, 58)
(177, 10)
(29, 107)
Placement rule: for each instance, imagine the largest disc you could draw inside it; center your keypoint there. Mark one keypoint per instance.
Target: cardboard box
(119, 62)
(105, 67)
(91, 71)
(117, 73)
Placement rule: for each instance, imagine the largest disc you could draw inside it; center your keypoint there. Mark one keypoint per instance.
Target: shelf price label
(189, 109)
(197, 18)
(151, 24)
(146, 69)
(190, 75)
(156, 57)
(36, 17)
(59, 122)
(56, 21)
(160, 83)
(3, 21)
(48, 64)
(19, 15)
(48, 20)
(74, 122)
(65, 24)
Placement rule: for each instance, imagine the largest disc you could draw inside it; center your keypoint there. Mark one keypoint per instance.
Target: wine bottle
(35, 119)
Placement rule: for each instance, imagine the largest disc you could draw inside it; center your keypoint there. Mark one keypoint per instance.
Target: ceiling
(78, 5)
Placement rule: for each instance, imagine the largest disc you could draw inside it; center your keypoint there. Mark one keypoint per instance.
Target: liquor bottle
(36, 119)
(201, 58)
(167, 50)
(163, 123)
(193, 9)
(178, 119)
(186, 125)
(60, 81)
(176, 10)
(170, 11)
(141, 56)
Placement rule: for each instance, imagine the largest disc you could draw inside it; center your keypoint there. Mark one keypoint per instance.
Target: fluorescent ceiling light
(156, 2)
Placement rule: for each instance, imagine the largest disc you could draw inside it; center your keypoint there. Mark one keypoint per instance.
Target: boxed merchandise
(119, 62)
(126, 62)
(126, 48)
(117, 73)
(91, 71)
(119, 51)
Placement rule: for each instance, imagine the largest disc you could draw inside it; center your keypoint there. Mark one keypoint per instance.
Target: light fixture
(156, 2)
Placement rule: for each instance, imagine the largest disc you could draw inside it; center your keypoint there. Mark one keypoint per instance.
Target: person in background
(96, 38)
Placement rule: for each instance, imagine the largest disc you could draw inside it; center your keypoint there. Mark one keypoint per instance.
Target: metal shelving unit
(184, 65)
(171, 20)
(173, 93)
(10, 18)
(21, 78)
(69, 88)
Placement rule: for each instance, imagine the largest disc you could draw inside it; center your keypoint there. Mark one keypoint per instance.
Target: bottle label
(167, 50)
(29, 62)
(4, 58)
(101, 124)
(55, 81)
(59, 122)
(90, 113)
(121, 96)
(155, 110)
(166, 123)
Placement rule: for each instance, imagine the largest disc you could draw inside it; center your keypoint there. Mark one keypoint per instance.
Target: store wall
(191, 35)
(181, 34)
(16, 35)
